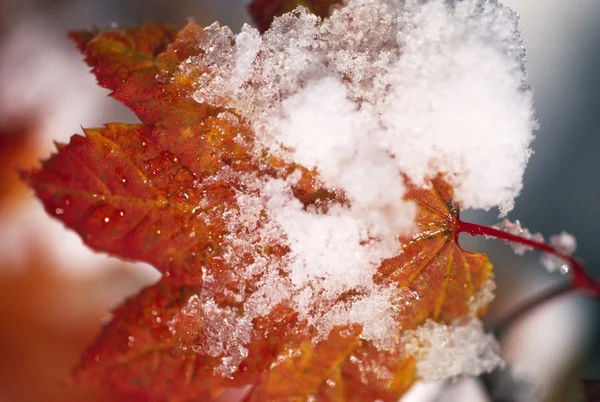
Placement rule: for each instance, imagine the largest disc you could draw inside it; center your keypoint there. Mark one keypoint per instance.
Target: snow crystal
(373, 313)
(515, 228)
(381, 91)
(444, 351)
(331, 254)
(483, 297)
(325, 247)
(219, 332)
(565, 243)
(247, 45)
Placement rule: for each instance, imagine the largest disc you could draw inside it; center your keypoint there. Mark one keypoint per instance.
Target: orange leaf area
(47, 320)
(264, 11)
(162, 191)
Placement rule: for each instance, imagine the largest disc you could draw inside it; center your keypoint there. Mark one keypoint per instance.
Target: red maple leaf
(153, 192)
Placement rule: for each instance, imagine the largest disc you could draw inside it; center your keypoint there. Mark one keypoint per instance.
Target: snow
(325, 129)
(483, 297)
(436, 118)
(566, 244)
(247, 44)
(224, 332)
(407, 78)
(517, 229)
(381, 91)
(444, 351)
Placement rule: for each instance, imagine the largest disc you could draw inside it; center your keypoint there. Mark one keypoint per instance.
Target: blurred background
(54, 292)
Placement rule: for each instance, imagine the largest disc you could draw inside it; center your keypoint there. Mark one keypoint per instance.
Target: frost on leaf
(444, 351)
(299, 191)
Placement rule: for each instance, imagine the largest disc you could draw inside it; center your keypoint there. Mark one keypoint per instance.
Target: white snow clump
(385, 87)
(444, 351)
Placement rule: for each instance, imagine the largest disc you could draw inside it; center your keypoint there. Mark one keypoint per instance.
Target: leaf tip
(82, 37)
(59, 145)
(26, 175)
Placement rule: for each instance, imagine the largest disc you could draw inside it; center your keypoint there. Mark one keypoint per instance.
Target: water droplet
(160, 164)
(162, 202)
(59, 211)
(121, 213)
(107, 219)
(158, 320)
(158, 232)
(163, 78)
(564, 269)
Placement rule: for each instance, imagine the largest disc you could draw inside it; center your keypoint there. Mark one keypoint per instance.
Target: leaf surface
(159, 192)
(432, 265)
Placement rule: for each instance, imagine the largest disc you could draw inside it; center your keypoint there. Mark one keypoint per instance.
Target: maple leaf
(160, 192)
(264, 11)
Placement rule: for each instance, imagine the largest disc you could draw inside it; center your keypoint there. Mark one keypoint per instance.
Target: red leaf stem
(581, 279)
